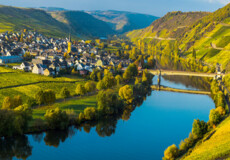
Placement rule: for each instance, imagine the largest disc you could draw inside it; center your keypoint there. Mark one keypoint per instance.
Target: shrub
(126, 93)
(57, 119)
(214, 117)
(90, 113)
(199, 128)
(171, 152)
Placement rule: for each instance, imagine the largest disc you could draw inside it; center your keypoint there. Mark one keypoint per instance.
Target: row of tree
(200, 128)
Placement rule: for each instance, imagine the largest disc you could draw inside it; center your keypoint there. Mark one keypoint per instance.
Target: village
(33, 52)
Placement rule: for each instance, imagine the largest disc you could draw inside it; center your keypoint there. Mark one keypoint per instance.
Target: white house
(37, 69)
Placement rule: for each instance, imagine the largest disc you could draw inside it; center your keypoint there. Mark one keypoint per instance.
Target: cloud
(219, 1)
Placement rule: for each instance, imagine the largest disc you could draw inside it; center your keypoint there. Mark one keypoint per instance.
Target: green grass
(216, 147)
(29, 91)
(77, 104)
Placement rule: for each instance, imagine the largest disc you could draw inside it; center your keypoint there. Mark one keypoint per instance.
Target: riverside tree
(199, 128)
(57, 119)
(108, 102)
(90, 113)
(214, 117)
(126, 93)
(171, 153)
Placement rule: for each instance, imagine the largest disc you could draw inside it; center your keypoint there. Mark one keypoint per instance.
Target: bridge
(164, 88)
(185, 73)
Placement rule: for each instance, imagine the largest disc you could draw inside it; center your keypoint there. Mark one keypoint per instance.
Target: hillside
(210, 36)
(16, 19)
(215, 147)
(207, 33)
(122, 21)
(169, 26)
(83, 23)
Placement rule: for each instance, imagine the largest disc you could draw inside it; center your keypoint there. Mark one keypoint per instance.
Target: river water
(164, 118)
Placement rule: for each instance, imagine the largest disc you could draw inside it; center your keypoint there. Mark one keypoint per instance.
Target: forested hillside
(83, 23)
(122, 21)
(16, 19)
(206, 34)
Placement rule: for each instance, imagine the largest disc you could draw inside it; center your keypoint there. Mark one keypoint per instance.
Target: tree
(17, 101)
(119, 79)
(57, 119)
(90, 113)
(108, 102)
(119, 66)
(199, 128)
(214, 117)
(151, 62)
(194, 53)
(7, 103)
(100, 85)
(80, 90)
(90, 86)
(137, 81)
(171, 152)
(108, 81)
(39, 97)
(126, 93)
(221, 111)
(93, 75)
(24, 115)
(99, 76)
(130, 72)
(65, 93)
(49, 97)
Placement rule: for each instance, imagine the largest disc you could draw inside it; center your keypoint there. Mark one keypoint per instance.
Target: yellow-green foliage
(20, 79)
(76, 104)
(215, 147)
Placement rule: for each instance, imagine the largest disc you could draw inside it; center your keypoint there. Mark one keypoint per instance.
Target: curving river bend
(164, 118)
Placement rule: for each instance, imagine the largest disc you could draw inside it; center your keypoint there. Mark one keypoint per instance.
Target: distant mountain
(83, 23)
(122, 21)
(52, 9)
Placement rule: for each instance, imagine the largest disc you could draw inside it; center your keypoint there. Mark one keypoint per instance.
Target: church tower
(69, 45)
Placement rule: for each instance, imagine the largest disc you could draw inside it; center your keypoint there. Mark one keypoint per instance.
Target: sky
(153, 7)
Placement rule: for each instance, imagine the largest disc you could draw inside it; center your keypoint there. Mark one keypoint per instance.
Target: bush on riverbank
(57, 119)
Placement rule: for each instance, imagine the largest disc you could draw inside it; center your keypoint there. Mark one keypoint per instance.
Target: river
(164, 118)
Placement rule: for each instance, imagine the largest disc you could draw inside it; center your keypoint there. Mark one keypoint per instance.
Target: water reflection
(18, 147)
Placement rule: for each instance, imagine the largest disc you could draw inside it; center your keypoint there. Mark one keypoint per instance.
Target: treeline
(112, 102)
(200, 128)
(115, 92)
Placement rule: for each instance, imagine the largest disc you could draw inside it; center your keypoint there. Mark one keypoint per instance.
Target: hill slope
(122, 21)
(216, 147)
(16, 19)
(210, 36)
(207, 33)
(169, 26)
(58, 25)
(83, 23)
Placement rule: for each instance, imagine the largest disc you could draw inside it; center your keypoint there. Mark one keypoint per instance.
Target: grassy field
(217, 147)
(18, 81)
(78, 104)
